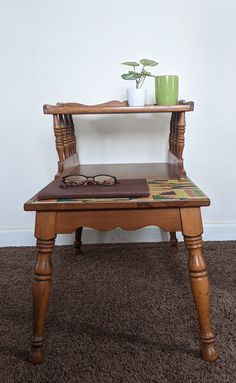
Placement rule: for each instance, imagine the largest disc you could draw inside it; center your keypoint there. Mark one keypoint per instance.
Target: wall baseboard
(25, 237)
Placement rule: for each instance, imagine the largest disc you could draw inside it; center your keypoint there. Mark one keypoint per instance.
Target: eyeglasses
(80, 179)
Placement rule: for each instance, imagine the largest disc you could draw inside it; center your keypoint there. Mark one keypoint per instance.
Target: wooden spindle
(72, 130)
(64, 136)
(175, 134)
(180, 127)
(58, 137)
(69, 134)
(171, 135)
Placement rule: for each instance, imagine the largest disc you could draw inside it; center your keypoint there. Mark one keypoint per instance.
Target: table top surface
(115, 107)
(166, 190)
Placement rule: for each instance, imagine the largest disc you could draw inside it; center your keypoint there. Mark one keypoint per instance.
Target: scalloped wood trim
(104, 220)
(109, 104)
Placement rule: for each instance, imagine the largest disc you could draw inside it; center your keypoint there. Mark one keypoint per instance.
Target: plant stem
(142, 79)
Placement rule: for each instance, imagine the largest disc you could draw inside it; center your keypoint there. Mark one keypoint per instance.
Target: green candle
(167, 89)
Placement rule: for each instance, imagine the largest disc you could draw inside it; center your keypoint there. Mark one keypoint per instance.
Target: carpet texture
(118, 313)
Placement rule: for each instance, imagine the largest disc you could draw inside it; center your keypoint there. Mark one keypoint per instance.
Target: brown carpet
(118, 313)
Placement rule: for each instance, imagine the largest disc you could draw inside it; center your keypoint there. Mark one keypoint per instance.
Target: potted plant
(137, 96)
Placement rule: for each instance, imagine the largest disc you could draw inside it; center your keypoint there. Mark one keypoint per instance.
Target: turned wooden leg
(200, 290)
(41, 294)
(192, 231)
(173, 240)
(78, 242)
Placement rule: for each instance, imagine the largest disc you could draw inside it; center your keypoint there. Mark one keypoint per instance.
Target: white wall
(56, 50)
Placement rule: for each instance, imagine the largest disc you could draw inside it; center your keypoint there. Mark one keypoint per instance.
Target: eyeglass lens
(79, 179)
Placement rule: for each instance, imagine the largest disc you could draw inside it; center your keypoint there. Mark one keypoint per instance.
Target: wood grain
(192, 230)
(41, 293)
(113, 107)
(167, 219)
(170, 215)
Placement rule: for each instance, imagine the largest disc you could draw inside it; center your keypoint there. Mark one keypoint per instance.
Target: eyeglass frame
(87, 182)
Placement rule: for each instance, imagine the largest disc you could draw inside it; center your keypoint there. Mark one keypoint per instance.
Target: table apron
(166, 219)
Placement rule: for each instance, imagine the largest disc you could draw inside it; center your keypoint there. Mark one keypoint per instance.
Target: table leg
(78, 242)
(173, 240)
(41, 294)
(199, 279)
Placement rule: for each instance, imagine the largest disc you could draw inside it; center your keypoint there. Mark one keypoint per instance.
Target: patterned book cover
(178, 189)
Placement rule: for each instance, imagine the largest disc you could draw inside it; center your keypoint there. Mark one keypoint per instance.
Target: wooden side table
(174, 205)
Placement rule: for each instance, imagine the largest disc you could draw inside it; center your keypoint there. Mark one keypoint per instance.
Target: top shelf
(115, 107)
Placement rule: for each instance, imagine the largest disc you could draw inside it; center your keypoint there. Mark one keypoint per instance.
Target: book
(124, 188)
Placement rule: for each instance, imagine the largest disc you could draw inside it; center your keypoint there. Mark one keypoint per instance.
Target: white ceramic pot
(136, 97)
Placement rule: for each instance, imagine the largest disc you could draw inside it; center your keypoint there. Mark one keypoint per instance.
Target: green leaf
(130, 76)
(147, 62)
(130, 63)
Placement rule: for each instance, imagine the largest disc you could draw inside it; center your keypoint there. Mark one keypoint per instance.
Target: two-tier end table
(173, 205)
